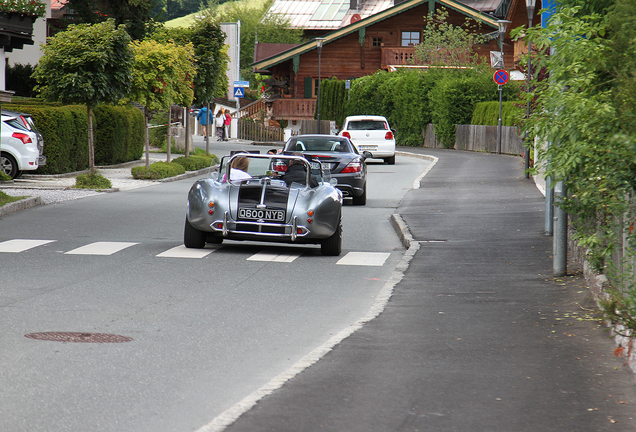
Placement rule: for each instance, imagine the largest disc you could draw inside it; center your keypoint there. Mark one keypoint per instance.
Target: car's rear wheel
(390, 160)
(332, 246)
(192, 237)
(362, 199)
(8, 165)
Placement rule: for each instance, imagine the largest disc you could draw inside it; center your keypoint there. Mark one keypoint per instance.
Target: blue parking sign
(239, 92)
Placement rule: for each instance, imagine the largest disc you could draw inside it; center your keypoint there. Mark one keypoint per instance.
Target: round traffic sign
(501, 77)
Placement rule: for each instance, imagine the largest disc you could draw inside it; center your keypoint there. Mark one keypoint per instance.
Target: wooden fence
(480, 139)
(255, 131)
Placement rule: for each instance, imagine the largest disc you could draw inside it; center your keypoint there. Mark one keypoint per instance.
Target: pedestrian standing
(204, 118)
(219, 123)
(228, 121)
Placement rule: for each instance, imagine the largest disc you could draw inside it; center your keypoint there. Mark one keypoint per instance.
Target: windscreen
(368, 125)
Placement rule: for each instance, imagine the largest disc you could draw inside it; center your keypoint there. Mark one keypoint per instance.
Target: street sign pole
(499, 131)
(501, 77)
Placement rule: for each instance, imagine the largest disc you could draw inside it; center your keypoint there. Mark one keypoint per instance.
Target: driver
(298, 173)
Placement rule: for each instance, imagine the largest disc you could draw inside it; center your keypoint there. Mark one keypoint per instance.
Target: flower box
(16, 30)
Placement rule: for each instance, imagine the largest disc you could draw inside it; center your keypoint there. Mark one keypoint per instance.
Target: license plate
(366, 147)
(316, 165)
(266, 215)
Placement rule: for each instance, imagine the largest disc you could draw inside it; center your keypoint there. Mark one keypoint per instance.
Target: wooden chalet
(385, 40)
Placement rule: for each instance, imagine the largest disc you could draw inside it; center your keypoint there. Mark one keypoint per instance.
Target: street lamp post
(530, 8)
(502, 33)
(319, 42)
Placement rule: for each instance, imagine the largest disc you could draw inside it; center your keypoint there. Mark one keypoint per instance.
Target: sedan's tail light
(346, 134)
(352, 167)
(280, 166)
(22, 137)
(389, 135)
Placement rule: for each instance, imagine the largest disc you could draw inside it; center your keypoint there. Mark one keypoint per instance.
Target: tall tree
(87, 64)
(136, 15)
(446, 44)
(163, 75)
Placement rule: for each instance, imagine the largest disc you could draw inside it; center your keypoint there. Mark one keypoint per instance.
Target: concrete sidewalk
(478, 336)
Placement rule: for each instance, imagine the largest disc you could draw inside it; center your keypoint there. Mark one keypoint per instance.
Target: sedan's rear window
(368, 125)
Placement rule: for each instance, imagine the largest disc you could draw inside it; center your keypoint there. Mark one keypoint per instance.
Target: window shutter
(309, 82)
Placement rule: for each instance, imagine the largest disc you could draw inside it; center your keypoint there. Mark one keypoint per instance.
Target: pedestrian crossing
(268, 254)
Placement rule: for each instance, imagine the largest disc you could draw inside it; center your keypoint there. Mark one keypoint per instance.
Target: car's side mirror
(367, 155)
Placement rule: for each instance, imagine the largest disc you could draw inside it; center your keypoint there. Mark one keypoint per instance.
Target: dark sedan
(347, 166)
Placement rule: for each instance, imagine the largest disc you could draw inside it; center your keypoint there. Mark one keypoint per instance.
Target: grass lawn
(6, 199)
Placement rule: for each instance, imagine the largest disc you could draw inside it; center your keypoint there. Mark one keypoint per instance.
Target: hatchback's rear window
(367, 125)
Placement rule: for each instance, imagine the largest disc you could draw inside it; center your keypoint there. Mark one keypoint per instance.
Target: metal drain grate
(79, 337)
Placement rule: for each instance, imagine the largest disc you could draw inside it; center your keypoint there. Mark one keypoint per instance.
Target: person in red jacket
(228, 121)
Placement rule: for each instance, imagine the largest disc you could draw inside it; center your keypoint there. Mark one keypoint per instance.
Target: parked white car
(371, 134)
(20, 146)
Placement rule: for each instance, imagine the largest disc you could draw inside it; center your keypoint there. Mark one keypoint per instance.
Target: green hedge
(119, 134)
(487, 113)
(411, 99)
(157, 171)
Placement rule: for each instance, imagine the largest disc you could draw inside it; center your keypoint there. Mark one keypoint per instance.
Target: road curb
(20, 205)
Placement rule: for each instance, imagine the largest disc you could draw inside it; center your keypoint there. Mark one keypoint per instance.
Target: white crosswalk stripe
(100, 248)
(275, 256)
(364, 258)
(20, 245)
(184, 252)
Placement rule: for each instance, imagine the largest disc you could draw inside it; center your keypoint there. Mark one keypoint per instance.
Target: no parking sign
(501, 77)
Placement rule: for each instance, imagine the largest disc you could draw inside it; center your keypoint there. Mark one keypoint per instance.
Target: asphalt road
(478, 335)
(206, 332)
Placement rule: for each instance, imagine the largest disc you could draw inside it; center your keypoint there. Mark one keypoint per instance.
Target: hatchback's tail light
(346, 134)
(352, 167)
(389, 135)
(22, 137)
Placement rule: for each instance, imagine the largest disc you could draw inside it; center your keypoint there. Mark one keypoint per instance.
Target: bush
(157, 171)
(487, 113)
(119, 134)
(92, 181)
(4, 177)
(453, 99)
(196, 162)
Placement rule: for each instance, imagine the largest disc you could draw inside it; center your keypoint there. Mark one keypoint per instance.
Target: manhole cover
(79, 337)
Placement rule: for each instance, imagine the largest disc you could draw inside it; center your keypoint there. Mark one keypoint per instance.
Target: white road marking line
(364, 258)
(20, 245)
(274, 257)
(100, 248)
(183, 252)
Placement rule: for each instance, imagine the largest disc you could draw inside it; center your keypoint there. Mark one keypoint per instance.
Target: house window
(377, 42)
(410, 38)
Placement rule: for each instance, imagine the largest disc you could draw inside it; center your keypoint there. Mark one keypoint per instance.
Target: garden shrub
(157, 171)
(487, 113)
(196, 162)
(92, 181)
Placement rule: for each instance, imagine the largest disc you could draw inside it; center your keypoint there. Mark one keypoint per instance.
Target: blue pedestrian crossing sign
(239, 92)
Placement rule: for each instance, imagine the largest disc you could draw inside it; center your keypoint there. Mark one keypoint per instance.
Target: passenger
(239, 169)
(298, 173)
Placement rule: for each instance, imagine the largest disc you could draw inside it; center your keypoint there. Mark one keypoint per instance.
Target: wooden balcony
(293, 109)
(398, 56)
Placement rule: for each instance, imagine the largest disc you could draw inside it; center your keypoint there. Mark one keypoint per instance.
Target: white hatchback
(19, 147)
(371, 134)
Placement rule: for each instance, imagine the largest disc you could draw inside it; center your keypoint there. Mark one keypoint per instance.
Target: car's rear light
(346, 134)
(352, 167)
(219, 225)
(22, 137)
(389, 135)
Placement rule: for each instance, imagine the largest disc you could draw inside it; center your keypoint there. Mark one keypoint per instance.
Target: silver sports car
(273, 198)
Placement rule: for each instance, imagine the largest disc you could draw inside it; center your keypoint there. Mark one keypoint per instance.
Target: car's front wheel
(332, 246)
(8, 165)
(192, 237)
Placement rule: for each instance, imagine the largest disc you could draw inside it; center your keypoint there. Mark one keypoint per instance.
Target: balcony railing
(398, 56)
(293, 109)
